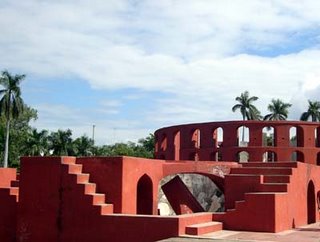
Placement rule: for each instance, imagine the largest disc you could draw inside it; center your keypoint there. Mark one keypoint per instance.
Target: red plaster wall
(39, 210)
(6, 176)
(8, 206)
(296, 203)
(229, 148)
(253, 210)
(8, 216)
(107, 173)
(133, 170)
(53, 206)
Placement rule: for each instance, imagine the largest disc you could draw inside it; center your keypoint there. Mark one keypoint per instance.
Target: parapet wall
(262, 141)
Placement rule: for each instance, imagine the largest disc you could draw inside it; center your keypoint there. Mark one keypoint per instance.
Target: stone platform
(310, 233)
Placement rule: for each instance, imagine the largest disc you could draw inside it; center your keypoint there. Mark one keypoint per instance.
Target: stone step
(14, 191)
(68, 160)
(97, 198)
(74, 168)
(203, 228)
(273, 187)
(105, 209)
(262, 170)
(276, 179)
(270, 164)
(83, 178)
(89, 188)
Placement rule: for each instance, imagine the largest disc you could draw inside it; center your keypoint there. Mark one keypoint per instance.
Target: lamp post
(93, 127)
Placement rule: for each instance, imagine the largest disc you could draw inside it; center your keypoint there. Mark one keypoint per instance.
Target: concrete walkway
(310, 233)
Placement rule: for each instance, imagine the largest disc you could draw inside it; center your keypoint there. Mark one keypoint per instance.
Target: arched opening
(243, 136)
(164, 143)
(318, 159)
(311, 203)
(243, 156)
(202, 188)
(293, 136)
(216, 156)
(297, 156)
(196, 138)
(269, 156)
(268, 136)
(217, 136)
(144, 195)
(176, 143)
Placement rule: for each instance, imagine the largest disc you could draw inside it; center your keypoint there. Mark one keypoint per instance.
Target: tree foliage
(246, 107)
(28, 141)
(144, 148)
(11, 104)
(19, 134)
(279, 110)
(313, 112)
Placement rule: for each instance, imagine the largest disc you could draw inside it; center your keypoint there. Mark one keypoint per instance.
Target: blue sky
(131, 67)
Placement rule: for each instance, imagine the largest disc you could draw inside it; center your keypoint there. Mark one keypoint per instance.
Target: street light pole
(93, 127)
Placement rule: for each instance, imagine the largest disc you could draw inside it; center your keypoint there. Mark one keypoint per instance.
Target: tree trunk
(6, 149)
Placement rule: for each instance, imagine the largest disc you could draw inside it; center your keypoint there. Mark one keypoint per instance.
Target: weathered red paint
(8, 205)
(115, 198)
(190, 145)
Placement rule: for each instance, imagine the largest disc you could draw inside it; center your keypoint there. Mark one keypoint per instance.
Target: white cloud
(193, 51)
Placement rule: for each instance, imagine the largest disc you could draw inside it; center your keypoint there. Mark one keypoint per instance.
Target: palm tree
(11, 103)
(313, 112)
(61, 142)
(279, 110)
(83, 146)
(37, 143)
(255, 114)
(247, 109)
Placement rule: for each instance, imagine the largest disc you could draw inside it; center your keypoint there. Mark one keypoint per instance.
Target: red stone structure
(200, 141)
(268, 171)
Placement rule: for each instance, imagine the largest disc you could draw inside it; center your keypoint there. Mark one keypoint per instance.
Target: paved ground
(310, 233)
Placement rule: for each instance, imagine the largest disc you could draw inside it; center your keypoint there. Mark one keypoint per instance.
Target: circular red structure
(240, 141)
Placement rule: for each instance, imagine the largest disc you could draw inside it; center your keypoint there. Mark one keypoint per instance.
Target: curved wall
(263, 141)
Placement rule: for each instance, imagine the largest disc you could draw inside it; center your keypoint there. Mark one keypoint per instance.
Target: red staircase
(199, 223)
(12, 189)
(89, 189)
(203, 228)
(254, 207)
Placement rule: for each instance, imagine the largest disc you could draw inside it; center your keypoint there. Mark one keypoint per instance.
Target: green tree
(313, 112)
(279, 110)
(37, 143)
(60, 142)
(246, 107)
(83, 146)
(146, 146)
(19, 133)
(11, 104)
